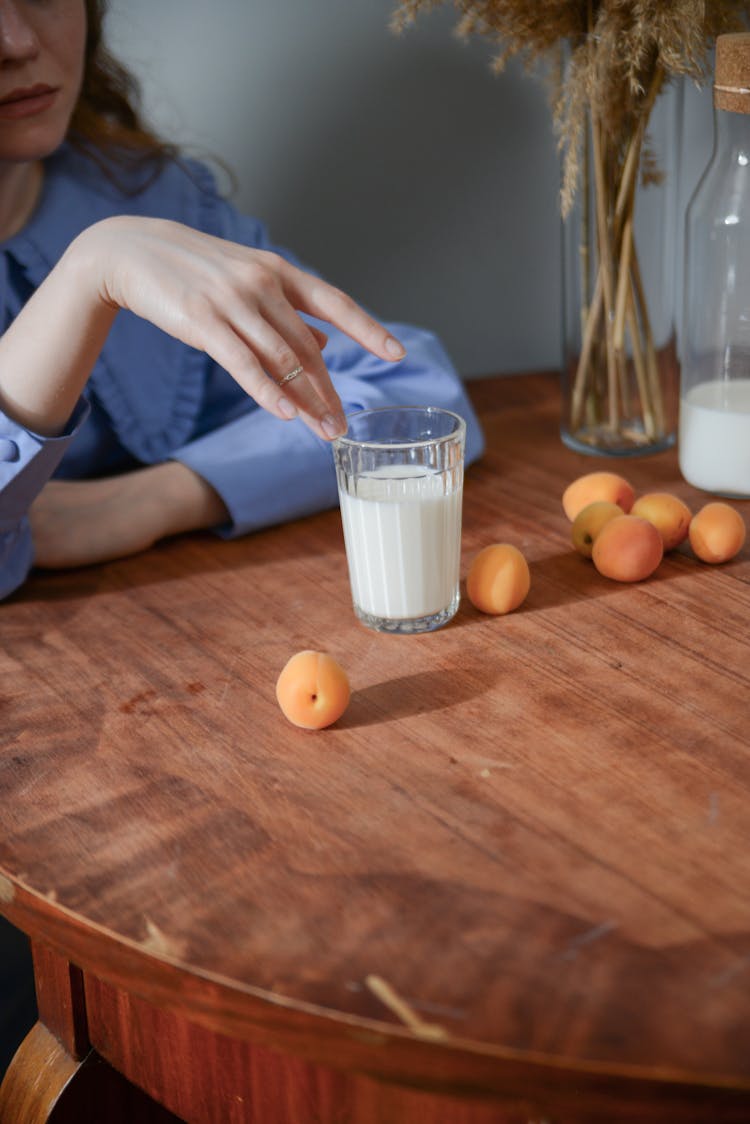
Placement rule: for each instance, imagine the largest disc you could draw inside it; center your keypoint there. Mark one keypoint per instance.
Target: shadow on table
(567, 577)
(410, 695)
(188, 556)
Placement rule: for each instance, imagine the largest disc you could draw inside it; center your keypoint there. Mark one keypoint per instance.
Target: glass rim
(417, 443)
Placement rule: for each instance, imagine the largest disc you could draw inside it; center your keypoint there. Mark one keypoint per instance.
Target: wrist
(180, 500)
(86, 262)
(47, 352)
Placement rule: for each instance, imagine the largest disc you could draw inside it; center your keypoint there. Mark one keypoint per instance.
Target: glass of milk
(400, 478)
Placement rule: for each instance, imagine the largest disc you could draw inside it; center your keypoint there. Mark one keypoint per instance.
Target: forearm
(79, 522)
(48, 351)
(181, 500)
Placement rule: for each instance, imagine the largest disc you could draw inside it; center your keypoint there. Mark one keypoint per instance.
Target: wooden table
(512, 882)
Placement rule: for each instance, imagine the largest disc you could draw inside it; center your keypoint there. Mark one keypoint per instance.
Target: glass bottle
(714, 426)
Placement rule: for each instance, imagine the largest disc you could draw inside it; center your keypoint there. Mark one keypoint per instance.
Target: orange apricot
(589, 522)
(627, 549)
(597, 486)
(717, 532)
(312, 690)
(498, 579)
(669, 515)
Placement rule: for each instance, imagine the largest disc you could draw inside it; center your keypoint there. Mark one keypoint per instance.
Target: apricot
(498, 579)
(312, 690)
(589, 522)
(627, 549)
(717, 532)
(597, 486)
(669, 515)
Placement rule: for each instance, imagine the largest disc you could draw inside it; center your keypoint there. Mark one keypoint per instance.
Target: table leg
(55, 1076)
(35, 1079)
(44, 1085)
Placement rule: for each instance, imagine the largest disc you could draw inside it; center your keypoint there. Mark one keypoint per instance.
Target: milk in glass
(715, 436)
(402, 531)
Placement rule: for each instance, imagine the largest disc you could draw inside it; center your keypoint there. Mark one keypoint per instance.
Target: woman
(97, 216)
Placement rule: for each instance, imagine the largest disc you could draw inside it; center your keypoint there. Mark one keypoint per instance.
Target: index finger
(312, 295)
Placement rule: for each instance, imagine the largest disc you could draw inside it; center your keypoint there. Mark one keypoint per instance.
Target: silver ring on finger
(292, 375)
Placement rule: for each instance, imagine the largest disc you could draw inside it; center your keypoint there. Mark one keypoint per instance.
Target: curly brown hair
(106, 121)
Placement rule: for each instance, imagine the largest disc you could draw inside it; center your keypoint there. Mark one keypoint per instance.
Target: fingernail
(333, 427)
(394, 348)
(287, 409)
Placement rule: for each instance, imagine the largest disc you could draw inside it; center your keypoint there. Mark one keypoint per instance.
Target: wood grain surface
(533, 828)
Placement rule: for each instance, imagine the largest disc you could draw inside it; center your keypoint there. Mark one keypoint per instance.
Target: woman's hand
(239, 305)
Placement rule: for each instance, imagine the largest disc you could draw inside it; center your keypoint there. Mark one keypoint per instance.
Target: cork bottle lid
(732, 73)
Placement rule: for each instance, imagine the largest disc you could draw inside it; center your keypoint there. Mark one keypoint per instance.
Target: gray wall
(399, 167)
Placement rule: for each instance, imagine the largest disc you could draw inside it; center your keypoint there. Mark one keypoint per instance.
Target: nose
(18, 40)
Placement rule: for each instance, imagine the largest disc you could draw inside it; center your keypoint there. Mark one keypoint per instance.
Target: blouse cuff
(28, 460)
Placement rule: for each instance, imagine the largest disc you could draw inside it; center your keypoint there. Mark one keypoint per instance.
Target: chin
(30, 151)
(26, 141)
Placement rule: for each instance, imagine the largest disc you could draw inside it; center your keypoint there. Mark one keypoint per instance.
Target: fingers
(294, 339)
(312, 295)
(242, 306)
(320, 337)
(259, 358)
(260, 339)
(283, 344)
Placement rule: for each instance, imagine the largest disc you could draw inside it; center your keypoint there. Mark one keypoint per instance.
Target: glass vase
(620, 379)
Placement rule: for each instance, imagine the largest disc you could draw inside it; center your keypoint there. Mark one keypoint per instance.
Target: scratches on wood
(403, 1010)
(161, 944)
(596, 933)
(729, 974)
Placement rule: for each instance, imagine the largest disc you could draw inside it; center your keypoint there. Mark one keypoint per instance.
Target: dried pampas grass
(618, 52)
(610, 60)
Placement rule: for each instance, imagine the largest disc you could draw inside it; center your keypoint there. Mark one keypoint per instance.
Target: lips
(25, 101)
